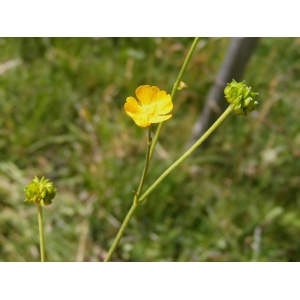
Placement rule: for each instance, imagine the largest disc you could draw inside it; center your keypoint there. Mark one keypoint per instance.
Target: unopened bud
(239, 95)
(40, 191)
(181, 86)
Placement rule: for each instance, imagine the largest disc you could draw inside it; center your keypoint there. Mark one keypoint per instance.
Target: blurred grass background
(62, 117)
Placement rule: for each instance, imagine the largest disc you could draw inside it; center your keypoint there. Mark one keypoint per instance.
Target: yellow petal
(158, 96)
(159, 119)
(132, 107)
(165, 105)
(146, 93)
(141, 121)
(154, 91)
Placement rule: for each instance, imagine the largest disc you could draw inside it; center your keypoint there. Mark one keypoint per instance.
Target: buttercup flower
(151, 107)
(40, 191)
(240, 97)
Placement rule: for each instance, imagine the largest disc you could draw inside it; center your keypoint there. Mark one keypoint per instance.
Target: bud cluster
(239, 95)
(40, 191)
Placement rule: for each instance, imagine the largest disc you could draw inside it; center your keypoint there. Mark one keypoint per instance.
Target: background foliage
(62, 117)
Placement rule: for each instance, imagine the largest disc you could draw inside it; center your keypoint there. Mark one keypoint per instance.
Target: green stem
(121, 231)
(41, 231)
(150, 149)
(187, 153)
(142, 181)
(135, 202)
(174, 91)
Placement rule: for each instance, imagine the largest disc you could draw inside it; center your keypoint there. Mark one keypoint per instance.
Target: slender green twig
(135, 202)
(174, 91)
(160, 179)
(41, 231)
(120, 233)
(150, 149)
(142, 181)
(187, 153)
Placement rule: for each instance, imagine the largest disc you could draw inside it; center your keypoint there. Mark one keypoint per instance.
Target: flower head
(40, 191)
(240, 97)
(151, 107)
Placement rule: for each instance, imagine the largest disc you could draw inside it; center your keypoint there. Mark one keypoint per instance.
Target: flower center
(150, 110)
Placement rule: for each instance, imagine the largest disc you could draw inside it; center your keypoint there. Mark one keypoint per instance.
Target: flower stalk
(162, 177)
(138, 116)
(152, 107)
(41, 232)
(187, 153)
(40, 192)
(174, 91)
(241, 100)
(147, 162)
(121, 231)
(136, 201)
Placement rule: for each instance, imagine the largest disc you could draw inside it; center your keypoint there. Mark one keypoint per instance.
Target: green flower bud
(240, 97)
(41, 191)
(182, 85)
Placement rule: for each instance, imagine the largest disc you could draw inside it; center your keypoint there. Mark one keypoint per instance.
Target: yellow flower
(151, 107)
